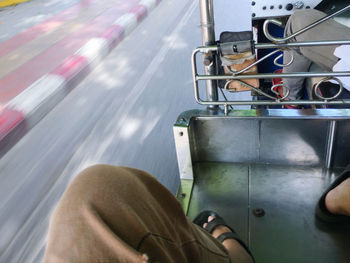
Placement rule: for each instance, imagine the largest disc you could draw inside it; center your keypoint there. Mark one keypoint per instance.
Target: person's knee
(92, 173)
(97, 176)
(107, 182)
(92, 179)
(100, 173)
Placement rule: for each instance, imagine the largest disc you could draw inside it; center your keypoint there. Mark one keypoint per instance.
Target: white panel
(230, 18)
(183, 152)
(271, 8)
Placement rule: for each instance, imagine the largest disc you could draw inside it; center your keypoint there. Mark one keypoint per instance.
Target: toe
(211, 218)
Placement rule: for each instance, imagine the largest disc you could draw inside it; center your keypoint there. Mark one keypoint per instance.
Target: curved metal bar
(252, 87)
(194, 74)
(283, 65)
(252, 65)
(227, 84)
(284, 88)
(267, 33)
(231, 71)
(341, 86)
(278, 23)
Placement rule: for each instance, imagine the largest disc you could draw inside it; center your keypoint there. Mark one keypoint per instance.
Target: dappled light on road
(119, 111)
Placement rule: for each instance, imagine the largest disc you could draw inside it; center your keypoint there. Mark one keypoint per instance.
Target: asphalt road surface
(15, 19)
(121, 114)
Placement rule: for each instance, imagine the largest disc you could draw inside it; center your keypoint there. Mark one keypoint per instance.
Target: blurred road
(15, 19)
(121, 114)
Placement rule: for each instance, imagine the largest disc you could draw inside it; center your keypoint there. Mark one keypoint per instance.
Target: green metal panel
(184, 193)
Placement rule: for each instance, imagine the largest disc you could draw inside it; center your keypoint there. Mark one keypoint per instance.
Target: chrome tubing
(285, 39)
(208, 39)
(283, 65)
(194, 73)
(252, 65)
(273, 75)
(262, 59)
(276, 93)
(279, 47)
(320, 96)
(207, 22)
(212, 48)
(277, 101)
(253, 88)
(274, 103)
(302, 44)
(330, 144)
(267, 33)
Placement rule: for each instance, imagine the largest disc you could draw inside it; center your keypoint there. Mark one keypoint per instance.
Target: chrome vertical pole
(208, 39)
(330, 143)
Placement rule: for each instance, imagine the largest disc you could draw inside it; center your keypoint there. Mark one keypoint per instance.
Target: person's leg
(236, 251)
(338, 200)
(300, 64)
(323, 55)
(116, 214)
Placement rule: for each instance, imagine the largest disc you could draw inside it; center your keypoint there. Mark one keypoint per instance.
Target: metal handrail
(275, 101)
(280, 44)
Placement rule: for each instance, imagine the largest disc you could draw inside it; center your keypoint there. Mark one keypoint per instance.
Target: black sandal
(202, 218)
(321, 210)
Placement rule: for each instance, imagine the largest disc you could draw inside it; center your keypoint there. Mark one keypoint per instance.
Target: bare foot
(236, 251)
(338, 199)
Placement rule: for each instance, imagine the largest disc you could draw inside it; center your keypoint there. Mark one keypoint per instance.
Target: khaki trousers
(303, 57)
(119, 214)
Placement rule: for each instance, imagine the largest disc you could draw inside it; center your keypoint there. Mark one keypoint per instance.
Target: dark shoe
(321, 210)
(327, 90)
(202, 218)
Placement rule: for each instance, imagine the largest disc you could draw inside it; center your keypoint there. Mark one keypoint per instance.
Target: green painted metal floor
(288, 232)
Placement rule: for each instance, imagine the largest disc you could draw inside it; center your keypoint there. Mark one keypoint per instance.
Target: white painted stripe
(128, 22)
(94, 50)
(149, 4)
(36, 94)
